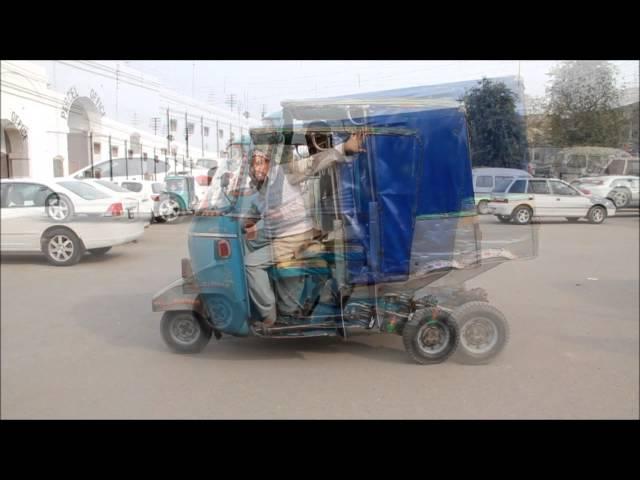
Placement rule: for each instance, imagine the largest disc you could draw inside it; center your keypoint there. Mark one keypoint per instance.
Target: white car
(128, 198)
(148, 194)
(622, 190)
(63, 219)
(131, 168)
(526, 198)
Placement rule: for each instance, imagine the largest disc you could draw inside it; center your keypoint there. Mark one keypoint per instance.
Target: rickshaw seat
(301, 267)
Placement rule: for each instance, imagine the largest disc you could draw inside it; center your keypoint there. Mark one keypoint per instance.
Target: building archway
(83, 119)
(14, 151)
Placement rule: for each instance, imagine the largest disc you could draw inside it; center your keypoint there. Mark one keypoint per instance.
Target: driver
(285, 224)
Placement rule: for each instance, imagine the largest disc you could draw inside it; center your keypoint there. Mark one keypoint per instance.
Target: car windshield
(502, 183)
(176, 185)
(84, 190)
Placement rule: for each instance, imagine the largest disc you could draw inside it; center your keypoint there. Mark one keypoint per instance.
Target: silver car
(622, 190)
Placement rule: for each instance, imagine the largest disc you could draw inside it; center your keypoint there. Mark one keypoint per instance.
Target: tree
(583, 98)
(497, 133)
(537, 121)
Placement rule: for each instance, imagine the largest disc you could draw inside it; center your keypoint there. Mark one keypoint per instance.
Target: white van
(488, 179)
(575, 162)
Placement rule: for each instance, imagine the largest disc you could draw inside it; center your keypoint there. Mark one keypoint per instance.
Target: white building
(58, 116)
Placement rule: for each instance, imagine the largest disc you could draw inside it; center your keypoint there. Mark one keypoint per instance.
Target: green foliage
(497, 133)
(582, 105)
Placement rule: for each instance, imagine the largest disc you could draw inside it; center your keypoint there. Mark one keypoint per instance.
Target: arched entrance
(83, 118)
(14, 151)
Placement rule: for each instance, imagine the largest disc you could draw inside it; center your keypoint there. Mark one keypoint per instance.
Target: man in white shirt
(286, 223)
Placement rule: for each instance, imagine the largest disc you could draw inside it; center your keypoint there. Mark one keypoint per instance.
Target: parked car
(130, 168)
(525, 198)
(623, 191)
(127, 197)
(62, 219)
(487, 179)
(148, 194)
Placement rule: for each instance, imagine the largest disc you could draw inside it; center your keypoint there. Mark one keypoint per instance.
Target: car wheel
(620, 197)
(98, 252)
(483, 207)
(58, 207)
(185, 332)
(503, 218)
(522, 215)
(62, 247)
(169, 210)
(597, 214)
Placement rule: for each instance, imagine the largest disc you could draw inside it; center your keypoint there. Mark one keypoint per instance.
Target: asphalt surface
(82, 342)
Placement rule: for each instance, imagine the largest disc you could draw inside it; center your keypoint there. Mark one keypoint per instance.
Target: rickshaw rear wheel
(483, 331)
(185, 331)
(429, 338)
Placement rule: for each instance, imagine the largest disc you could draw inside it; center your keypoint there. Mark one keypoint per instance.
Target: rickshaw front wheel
(185, 331)
(430, 337)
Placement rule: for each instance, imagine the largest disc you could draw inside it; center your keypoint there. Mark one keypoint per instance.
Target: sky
(263, 84)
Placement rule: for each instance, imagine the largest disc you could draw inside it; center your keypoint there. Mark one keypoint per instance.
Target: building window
(221, 133)
(190, 128)
(206, 131)
(96, 148)
(144, 155)
(130, 153)
(163, 151)
(114, 151)
(173, 124)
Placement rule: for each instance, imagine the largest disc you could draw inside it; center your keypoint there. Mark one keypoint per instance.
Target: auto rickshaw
(397, 236)
(178, 198)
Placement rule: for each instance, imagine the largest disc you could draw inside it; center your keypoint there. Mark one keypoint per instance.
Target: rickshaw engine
(362, 313)
(395, 311)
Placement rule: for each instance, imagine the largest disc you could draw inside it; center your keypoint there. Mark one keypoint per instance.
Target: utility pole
(231, 101)
(168, 133)
(155, 122)
(217, 139)
(186, 133)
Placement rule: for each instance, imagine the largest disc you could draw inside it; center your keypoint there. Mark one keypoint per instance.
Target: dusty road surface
(82, 342)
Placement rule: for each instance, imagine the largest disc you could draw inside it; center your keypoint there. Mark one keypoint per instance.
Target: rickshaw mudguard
(177, 295)
(183, 294)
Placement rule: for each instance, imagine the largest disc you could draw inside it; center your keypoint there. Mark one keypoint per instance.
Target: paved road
(82, 342)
